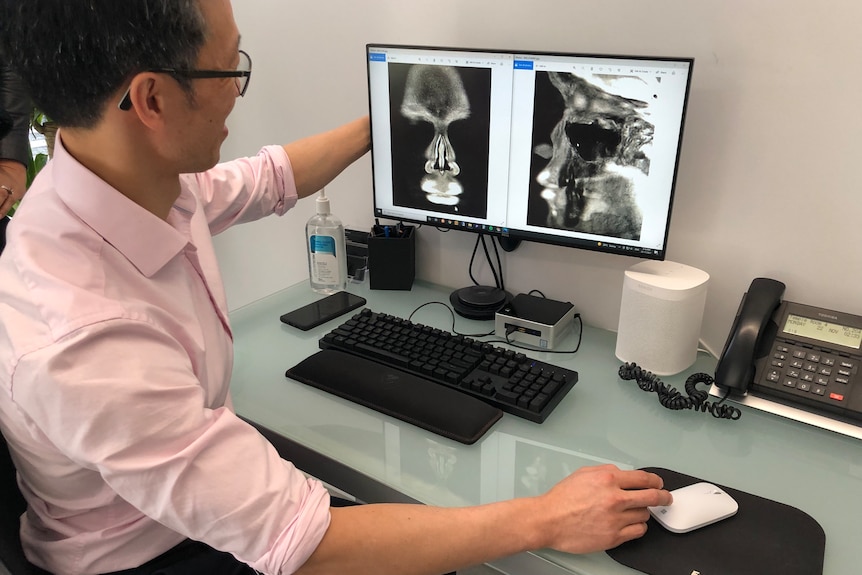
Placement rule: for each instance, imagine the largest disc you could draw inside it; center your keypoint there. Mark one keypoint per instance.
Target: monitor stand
(479, 302)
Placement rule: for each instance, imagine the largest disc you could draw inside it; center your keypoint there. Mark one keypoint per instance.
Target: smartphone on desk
(321, 311)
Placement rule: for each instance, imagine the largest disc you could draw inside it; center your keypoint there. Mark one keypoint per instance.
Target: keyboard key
(382, 354)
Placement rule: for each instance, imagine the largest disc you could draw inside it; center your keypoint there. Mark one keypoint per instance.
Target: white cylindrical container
(661, 313)
(327, 250)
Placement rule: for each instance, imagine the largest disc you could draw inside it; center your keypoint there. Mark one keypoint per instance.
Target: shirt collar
(147, 241)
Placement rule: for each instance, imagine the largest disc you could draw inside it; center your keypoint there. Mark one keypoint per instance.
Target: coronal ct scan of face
(588, 151)
(435, 94)
(439, 136)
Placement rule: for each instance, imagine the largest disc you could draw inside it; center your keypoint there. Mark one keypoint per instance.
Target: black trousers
(191, 558)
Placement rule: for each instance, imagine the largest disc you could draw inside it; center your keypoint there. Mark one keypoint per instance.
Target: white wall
(769, 178)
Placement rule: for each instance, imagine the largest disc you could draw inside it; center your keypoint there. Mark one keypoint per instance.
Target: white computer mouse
(695, 506)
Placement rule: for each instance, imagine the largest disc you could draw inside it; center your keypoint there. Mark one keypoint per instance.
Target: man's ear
(147, 98)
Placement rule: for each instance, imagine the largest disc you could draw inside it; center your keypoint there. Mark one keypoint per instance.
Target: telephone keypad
(813, 373)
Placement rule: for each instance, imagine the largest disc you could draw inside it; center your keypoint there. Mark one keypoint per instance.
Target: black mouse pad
(763, 537)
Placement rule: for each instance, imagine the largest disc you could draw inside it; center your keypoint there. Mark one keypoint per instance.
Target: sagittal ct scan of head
(440, 142)
(588, 149)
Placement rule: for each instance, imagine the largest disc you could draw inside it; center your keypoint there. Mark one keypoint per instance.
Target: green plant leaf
(35, 166)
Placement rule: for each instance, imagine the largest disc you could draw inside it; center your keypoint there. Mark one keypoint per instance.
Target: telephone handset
(735, 369)
(797, 354)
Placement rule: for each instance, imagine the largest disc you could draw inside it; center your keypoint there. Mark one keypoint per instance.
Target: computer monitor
(570, 149)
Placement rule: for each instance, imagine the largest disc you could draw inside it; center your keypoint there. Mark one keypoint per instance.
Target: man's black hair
(76, 54)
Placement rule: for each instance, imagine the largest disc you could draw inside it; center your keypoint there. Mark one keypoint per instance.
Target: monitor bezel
(510, 238)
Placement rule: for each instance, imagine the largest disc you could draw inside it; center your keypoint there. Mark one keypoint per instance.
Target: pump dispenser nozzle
(322, 203)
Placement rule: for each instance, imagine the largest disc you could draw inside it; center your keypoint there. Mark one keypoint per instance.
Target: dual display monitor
(569, 149)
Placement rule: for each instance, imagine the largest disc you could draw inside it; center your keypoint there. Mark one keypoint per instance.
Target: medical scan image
(590, 149)
(440, 117)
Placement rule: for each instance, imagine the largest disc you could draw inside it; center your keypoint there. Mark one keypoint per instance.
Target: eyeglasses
(242, 75)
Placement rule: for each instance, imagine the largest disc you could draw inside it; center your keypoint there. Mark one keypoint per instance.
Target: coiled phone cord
(670, 398)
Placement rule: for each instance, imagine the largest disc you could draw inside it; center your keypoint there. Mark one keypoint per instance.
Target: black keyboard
(515, 383)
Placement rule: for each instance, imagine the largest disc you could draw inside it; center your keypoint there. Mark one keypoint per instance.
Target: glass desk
(603, 419)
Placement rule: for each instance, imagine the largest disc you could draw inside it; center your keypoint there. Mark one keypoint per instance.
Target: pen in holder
(392, 257)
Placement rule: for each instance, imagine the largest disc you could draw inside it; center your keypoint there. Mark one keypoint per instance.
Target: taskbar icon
(461, 224)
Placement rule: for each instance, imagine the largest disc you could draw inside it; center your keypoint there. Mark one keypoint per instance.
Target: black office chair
(11, 553)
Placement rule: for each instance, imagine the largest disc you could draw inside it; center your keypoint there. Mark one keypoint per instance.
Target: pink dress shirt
(115, 361)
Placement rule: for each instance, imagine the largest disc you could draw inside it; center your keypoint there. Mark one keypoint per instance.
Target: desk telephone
(795, 354)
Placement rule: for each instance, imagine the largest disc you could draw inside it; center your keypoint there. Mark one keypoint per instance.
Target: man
(115, 347)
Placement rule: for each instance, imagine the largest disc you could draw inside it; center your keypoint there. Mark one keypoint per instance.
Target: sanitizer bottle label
(324, 260)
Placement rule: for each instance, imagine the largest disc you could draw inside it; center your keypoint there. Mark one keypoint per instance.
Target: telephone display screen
(823, 331)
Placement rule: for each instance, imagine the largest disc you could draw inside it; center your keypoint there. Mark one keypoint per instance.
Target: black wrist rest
(402, 395)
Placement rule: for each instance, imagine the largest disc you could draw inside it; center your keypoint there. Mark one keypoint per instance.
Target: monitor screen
(571, 149)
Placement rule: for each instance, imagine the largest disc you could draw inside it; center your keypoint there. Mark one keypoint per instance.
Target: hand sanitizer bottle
(327, 252)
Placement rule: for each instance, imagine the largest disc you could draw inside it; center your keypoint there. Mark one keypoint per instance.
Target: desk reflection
(440, 471)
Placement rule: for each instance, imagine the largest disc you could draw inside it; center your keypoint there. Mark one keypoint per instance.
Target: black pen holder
(392, 257)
